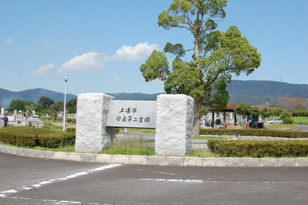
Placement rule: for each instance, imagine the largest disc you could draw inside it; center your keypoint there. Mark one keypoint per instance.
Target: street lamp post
(65, 80)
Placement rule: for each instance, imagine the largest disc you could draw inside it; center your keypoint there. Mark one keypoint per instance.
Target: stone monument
(92, 135)
(171, 115)
(174, 125)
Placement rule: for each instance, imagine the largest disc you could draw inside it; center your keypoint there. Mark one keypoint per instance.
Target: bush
(302, 113)
(255, 132)
(253, 148)
(32, 137)
(72, 120)
(287, 120)
(71, 129)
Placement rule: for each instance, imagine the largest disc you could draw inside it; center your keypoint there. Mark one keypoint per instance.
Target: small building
(227, 119)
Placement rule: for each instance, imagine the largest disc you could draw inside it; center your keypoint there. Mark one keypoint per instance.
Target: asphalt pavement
(303, 128)
(26, 180)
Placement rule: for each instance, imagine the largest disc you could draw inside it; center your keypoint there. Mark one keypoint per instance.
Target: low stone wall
(159, 160)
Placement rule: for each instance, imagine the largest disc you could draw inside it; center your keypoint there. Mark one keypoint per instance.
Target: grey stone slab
(60, 155)
(28, 152)
(174, 125)
(193, 161)
(5, 149)
(232, 162)
(287, 162)
(120, 159)
(19, 151)
(92, 134)
(48, 154)
(131, 113)
(175, 161)
(269, 162)
(251, 162)
(136, 159)
(73, 156)
(157, 160)
(88, 157)
(104, 158)
(302, 162)
(37, 154)
(213, 162)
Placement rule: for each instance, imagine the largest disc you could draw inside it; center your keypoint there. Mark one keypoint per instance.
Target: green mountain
(31, 95)
(250, 92)
(259, 92)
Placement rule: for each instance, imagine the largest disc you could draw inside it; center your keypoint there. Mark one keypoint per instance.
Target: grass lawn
(141, 130)
(281, 126)
(300, 120)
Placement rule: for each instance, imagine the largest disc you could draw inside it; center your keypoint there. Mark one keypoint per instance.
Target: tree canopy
(46, 101)
(216, 56)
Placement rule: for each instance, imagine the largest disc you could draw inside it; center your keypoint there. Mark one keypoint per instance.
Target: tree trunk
(197, 117)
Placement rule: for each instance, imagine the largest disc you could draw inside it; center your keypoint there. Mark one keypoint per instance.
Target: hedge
(32, 137)
(255, 132)
(254, 148)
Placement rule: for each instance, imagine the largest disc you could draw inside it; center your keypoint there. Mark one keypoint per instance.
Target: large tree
(46, 102)
(19, 105)
(216, 55)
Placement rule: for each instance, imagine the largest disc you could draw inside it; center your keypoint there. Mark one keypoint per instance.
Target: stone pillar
(174, 124)
(92, 134)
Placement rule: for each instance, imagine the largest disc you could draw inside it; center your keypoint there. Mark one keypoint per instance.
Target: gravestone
(171, 115)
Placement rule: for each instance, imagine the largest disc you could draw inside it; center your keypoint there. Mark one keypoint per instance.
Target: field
(300, 120)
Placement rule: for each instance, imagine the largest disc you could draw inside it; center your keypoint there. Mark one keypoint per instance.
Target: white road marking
(216, 182)
(6, 193)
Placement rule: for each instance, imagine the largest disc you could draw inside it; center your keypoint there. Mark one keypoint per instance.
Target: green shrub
(255, 132)
(71, 129)
(72, 120)
(32, 137)
(287, 120)
(254, 148)
(302, 113)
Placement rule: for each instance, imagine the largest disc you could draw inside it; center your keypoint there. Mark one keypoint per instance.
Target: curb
(158, 160)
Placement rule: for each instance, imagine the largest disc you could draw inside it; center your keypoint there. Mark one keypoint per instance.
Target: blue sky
(101, 44)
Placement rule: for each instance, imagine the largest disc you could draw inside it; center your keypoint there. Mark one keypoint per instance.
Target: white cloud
(91, 61)
(139, 52)
(116, 79)
(42, 70)
(9, 40)
(45, 43)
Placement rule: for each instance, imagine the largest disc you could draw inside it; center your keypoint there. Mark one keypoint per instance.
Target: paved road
(38, 181)
(303, 128)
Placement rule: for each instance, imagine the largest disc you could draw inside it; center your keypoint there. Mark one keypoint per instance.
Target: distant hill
(31, 95)
(250, 92)
(259, 92)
